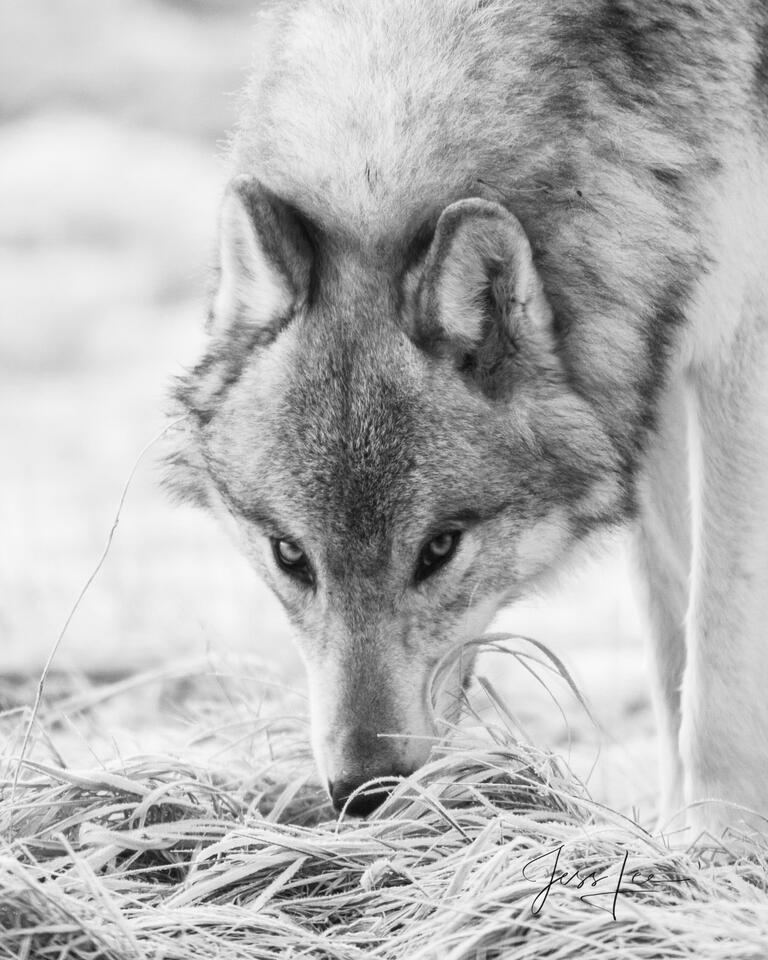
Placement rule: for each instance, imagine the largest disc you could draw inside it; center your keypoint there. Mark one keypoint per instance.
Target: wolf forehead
(335, 425)
(350, 427)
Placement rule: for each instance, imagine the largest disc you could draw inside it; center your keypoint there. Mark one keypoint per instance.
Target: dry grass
(231, 851)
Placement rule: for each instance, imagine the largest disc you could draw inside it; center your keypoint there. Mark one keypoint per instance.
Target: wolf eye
(436, 553)
(292, 560)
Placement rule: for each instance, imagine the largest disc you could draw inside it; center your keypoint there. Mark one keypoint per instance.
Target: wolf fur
(499, 268)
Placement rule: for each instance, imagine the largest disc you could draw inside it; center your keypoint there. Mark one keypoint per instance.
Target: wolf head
(388, 427)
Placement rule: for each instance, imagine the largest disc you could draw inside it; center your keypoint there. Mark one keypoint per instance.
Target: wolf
(490, 279)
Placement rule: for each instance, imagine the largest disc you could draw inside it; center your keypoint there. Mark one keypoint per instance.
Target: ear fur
(265, 261)
(263, 277)
(480, 298)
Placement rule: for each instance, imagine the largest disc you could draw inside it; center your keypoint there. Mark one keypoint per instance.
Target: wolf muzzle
(360, 755)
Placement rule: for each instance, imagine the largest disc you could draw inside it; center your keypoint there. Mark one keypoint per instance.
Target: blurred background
(113, 115)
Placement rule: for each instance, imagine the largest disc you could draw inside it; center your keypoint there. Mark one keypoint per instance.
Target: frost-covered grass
(227, 848)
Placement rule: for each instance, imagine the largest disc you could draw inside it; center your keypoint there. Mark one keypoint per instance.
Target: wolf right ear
(480, 298)
(265, 262)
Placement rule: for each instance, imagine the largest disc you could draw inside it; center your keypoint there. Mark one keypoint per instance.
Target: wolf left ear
(265, 261)
(480, 298)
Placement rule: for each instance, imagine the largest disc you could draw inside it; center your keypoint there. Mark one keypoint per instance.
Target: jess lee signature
(547, 867)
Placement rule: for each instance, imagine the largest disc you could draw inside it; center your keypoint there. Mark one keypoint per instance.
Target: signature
(610, 881)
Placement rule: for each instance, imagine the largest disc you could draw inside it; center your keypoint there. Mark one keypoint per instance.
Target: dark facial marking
(761, 64)
(350, 429)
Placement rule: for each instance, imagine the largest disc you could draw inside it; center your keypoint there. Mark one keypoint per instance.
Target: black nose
(364, 802)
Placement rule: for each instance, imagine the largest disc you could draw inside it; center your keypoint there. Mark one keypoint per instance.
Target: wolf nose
(364, 802)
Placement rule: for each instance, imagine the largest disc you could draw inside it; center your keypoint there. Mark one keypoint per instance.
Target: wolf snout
(366, 800)
(366, 742)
